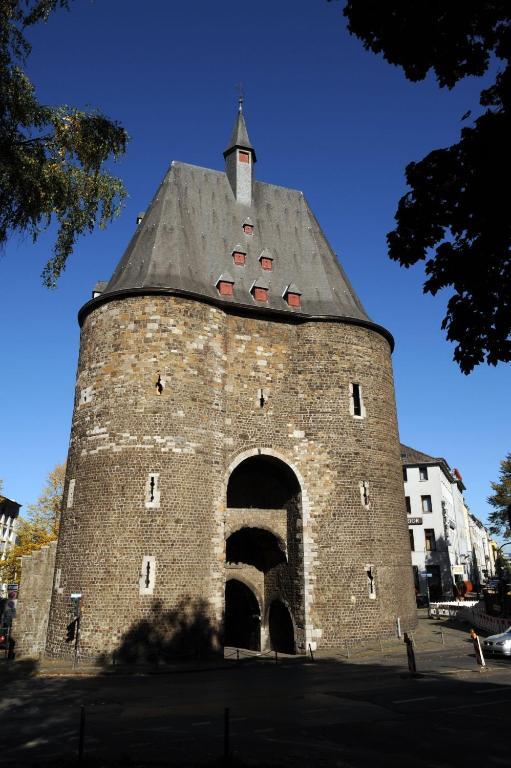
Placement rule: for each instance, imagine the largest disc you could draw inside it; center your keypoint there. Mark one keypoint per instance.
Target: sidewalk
(432, 636)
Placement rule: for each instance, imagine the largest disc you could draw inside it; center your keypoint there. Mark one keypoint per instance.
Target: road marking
(472, 706)
(203, 722)
(494, 690)
(417, 698)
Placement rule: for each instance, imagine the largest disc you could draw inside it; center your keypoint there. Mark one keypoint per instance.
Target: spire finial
(240, 97)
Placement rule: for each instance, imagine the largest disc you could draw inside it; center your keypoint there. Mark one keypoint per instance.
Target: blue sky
(325, 117)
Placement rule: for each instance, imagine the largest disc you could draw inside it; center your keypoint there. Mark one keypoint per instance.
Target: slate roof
(186, 239)
(412, 456)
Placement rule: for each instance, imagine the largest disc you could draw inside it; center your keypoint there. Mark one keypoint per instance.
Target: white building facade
(9, 511)
(449, 547)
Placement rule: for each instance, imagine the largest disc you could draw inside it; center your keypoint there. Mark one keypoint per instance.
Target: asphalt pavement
(330, 711)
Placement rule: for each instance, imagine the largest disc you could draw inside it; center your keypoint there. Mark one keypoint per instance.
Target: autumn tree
(51, 157)
(500, 500)
(455, 216)
(39, 527)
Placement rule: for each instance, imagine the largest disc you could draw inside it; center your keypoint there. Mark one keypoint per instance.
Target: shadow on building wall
(163, 635)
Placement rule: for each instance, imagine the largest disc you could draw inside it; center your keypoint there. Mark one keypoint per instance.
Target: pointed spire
(239, 136)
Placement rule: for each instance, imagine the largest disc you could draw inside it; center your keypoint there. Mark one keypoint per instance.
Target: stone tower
(234, 469)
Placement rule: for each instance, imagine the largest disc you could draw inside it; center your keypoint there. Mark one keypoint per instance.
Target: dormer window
(225, 284)
(244, 157)
(248, 227)
(260, 290)
(266, 260)
(239, 256)
(293, 296)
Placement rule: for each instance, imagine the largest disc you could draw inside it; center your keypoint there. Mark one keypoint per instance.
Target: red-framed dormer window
(260, 294)
(248, 229)
(293, 299)
(266, 263)
(244, 157)
(225, 288)
(239, 258)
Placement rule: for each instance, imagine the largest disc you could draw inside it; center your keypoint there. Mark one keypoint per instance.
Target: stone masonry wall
(31, 622)
(189, 437)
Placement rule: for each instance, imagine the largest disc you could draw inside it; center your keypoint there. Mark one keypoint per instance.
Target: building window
(405, 475)
(412, 542)
(248, 228)
(244, 157)
(423, 473)
(426, 504)
(430, 541)
(408, 505)
(356, 403)
(266, 264)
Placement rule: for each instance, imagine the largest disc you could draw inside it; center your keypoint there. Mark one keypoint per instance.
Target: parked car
(500, 644)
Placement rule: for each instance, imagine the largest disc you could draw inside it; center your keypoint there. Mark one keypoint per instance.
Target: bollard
(310, 651)
(477, 648)
(398, 627)
(410, 654)
(226, 733)
(81, 736)
(442, 636)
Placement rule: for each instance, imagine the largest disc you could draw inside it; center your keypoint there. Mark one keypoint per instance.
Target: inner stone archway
(282, 636)
(242, 621)
(264, 546)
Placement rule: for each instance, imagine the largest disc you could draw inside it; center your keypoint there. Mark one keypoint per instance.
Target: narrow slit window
(160, 383)
(364, 494)
(371, 586)
(357, 408)
(152, 491)
(147, 577)
(71, 493)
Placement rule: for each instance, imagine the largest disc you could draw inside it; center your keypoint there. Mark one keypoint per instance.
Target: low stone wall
(472, 613)
(31, 623)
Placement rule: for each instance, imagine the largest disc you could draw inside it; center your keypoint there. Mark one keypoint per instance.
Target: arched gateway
(264, 549)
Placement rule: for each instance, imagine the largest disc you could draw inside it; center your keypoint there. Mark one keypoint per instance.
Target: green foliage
(501, 501)
(51, 158)
(456, 214)
(39, 528)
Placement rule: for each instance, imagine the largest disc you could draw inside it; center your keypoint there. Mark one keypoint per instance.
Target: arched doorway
(242, 621)
(282, 636)
(263, 482)
(264, 547)
(254, 546)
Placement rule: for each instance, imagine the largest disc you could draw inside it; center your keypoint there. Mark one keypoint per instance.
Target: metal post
(81, 736)
(226, 733)
(442, 636)
(398, 627)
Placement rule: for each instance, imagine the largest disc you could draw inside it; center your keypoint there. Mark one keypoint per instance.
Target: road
(293, 713)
